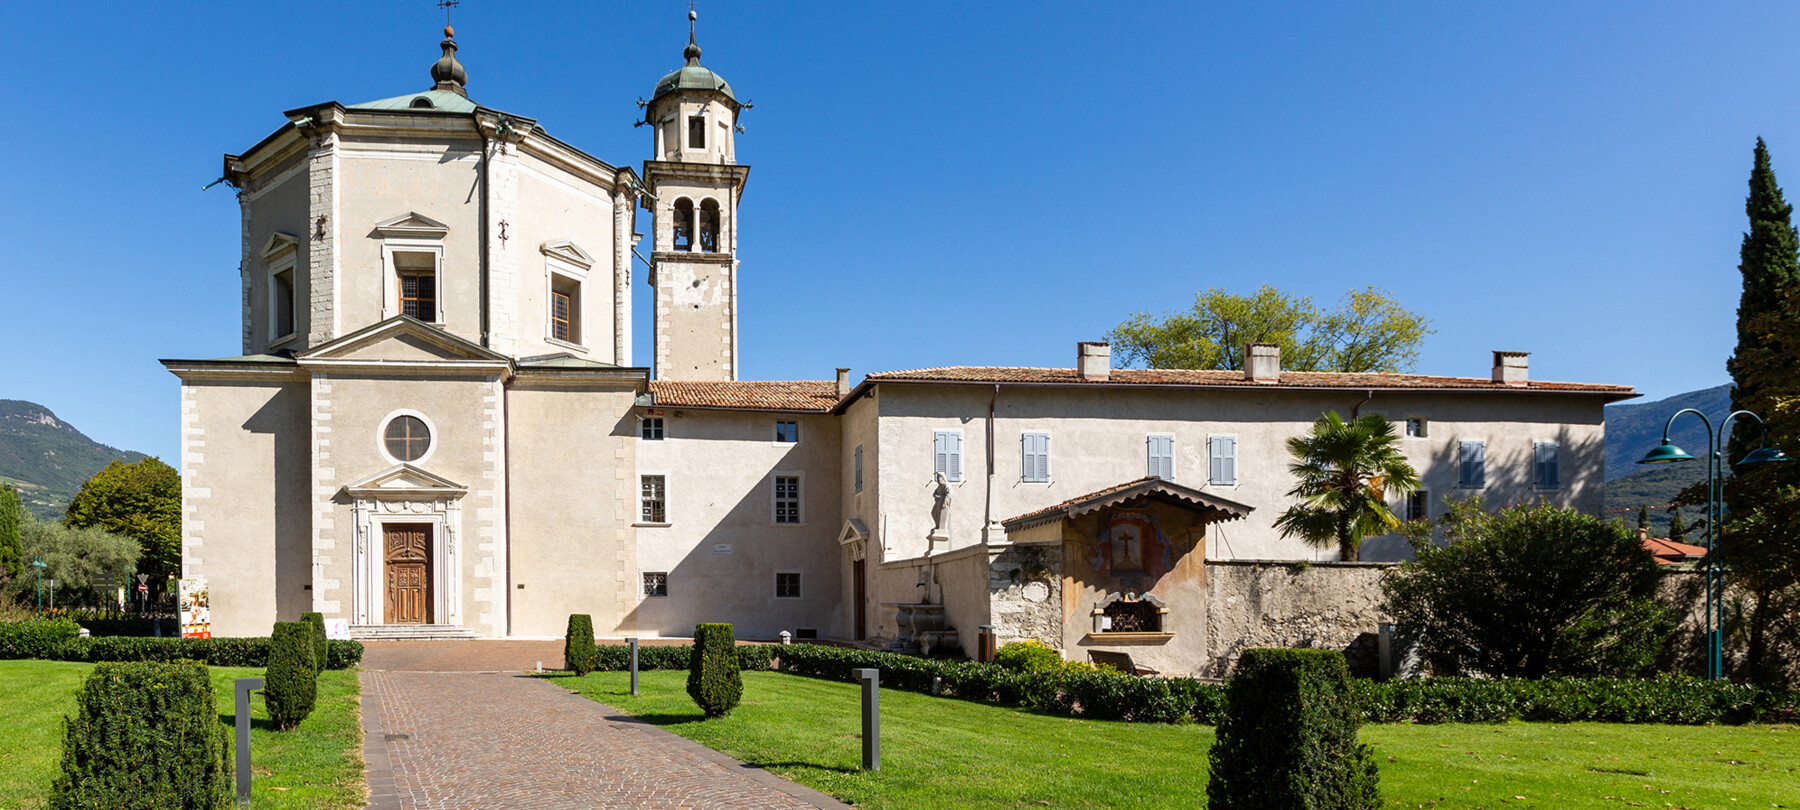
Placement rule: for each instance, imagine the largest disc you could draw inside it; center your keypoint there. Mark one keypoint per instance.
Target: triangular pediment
(853, 531)
(401, 340)
(413, 224)
(568, 252)
(279, 242)
(405, 481)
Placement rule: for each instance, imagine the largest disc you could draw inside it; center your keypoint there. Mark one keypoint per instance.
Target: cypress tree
(1644, 517)
(12, 549)
(1769, 262)
(1677, 527)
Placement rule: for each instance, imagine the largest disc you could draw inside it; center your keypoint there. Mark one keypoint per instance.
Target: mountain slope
(47, 459)
(1633, 430)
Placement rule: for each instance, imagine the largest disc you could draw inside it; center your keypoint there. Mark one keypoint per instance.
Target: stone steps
(411, 632)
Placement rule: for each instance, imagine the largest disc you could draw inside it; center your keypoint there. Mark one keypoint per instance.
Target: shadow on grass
(262, 723)
(799, 766)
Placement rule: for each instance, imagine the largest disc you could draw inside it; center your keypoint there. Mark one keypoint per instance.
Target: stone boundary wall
(1283, 603)
(1025, 590)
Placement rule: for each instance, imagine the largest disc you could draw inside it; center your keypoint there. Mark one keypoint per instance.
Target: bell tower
(694, 183)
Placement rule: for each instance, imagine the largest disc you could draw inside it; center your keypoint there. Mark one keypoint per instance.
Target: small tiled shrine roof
(1235, 379)
(756, 395)
(1147, 487)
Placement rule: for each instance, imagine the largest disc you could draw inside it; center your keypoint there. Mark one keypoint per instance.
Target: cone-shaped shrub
(578, 645)
(291, 682)
(144, 734)
(713, 680)
(321, 645)
(1288, 737)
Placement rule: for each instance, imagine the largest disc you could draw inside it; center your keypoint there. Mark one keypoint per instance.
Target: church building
(436, 424)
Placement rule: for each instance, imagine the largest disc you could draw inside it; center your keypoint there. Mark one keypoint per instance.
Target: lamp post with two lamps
(1667, 453)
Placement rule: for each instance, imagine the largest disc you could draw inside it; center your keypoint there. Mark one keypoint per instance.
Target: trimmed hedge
(144, 735)
(1028, 656)
(578, 644)
(617, 658)
(35, 638)
(218, 652)
(713, 680)
(1113, 696)
(291, 683)
(1287, 740)
(321, 644)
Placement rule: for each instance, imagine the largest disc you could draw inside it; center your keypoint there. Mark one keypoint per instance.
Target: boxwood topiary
(321, 645)
(713, 679)
(579, 653)
(35, 638)
(1288, 737)
(144, 734)
(290, 684)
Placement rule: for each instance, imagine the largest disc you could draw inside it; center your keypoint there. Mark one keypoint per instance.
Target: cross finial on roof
(692, 52)
(446, 5)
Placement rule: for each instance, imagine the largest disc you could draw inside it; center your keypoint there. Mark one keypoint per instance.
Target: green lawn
(939, 753)
(317, 766)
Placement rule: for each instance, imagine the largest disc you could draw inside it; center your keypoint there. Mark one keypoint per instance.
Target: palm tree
(1346, 471)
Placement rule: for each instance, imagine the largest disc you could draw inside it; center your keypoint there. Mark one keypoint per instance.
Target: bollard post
(984, 644)
(243, 687)
(633, 643)
(871, 681)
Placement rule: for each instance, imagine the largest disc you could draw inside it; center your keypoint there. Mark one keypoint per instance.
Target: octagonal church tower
(431, 289)
(694, 183)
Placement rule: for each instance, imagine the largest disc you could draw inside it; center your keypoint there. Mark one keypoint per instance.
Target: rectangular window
(787, 499)
(859, 468)
(1549, 472)
(651, 428)
(1474, 465)
(1418, 505)
(281, 302)
(656, 583)
(654, 498)
(565, 309)
(1222, 465)
(1159, 457)
(1034, 458)
(946, 454)
(696, 132)
(787, 585)
(1417, 427)
(787, 432)
(418, 285)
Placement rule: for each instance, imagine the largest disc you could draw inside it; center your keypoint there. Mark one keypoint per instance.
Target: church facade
(435, 424)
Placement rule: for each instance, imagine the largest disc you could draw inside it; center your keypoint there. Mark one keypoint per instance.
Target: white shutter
(1223, 466)
(1547, 472)
(1474, 464)
(940, 453)
(953, 447)
(1034, 457)
(1160, 457)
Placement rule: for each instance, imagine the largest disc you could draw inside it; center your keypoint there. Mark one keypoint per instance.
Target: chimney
(1093, 361)
(1511, 368)
(843, 380)
(1262, 362)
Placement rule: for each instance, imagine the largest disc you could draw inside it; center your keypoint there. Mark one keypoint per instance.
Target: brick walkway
(438, 739)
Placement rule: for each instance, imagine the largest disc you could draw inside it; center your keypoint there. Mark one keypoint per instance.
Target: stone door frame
(368, 568)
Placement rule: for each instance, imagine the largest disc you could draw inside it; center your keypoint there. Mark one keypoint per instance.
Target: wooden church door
(408, 564)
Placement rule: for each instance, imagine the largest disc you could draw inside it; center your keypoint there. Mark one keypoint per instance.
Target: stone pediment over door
(406, 494)
(401, 341)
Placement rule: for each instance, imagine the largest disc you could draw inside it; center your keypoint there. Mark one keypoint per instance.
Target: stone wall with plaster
(1261, 603)
(1025, 590)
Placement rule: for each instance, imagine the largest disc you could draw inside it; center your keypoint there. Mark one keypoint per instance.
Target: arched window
(684, 224)
(709, 226)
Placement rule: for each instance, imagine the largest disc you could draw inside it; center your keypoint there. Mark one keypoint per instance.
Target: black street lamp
(1667, 453)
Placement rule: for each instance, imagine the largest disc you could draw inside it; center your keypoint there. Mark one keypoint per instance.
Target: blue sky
(970, 183)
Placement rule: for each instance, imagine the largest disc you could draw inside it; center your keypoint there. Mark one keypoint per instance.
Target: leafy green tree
(1368, 331)
(12, 554)
(141, 501)
(75, 558)
(1346, 471)
(1532, 590)
(1678, 528)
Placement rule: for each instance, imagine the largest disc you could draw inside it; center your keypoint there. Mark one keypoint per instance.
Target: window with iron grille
(651, 429)
(418, 285)
(654, 498)
(787, 585)
(656, 583)
(787, 432)
(565, 309)
(787, 499)
(407, 438)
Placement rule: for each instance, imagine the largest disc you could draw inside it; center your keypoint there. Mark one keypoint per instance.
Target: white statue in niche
(940, 510)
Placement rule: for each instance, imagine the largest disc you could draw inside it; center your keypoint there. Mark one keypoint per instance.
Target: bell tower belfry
(694, 183)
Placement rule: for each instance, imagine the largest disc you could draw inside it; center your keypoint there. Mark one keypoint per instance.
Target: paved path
(438, 739)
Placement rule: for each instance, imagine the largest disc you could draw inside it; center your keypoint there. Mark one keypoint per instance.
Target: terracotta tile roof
(1234, 379)
(754, 395)
(1669, 552)
(1148, 486)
